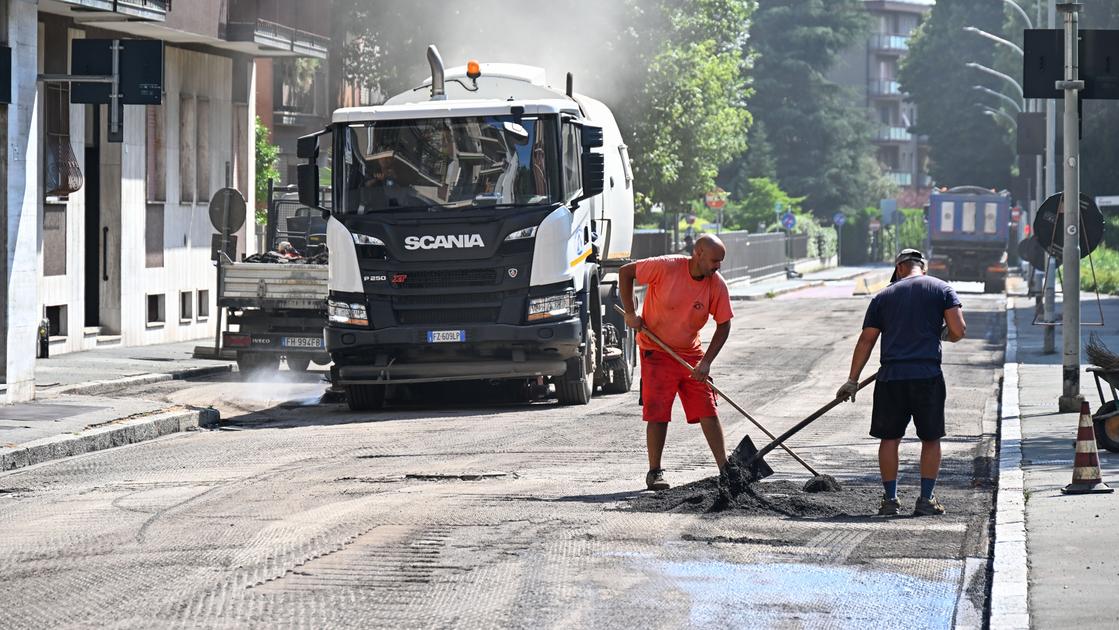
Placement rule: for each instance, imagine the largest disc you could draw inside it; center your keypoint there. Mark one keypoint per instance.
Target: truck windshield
(466, 162)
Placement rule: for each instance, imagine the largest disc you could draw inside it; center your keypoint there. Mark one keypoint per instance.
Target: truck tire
(298, 363)
(256, 364)
(994, 285)
(365, 397)
(621, 377)
(577, 383)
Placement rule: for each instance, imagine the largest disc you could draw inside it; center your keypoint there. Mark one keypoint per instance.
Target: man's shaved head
(707, 256)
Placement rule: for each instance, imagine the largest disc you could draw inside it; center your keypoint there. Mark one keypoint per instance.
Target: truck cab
(475, 227)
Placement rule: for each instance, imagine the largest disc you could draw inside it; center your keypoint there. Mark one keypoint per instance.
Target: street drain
(459, 477)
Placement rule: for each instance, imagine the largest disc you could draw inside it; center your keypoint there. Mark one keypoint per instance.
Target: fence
(748, 255)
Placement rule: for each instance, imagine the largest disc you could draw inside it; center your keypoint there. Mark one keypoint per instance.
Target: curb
(871, 283)
(94, 388)
(775, 292)
(106, 435)
(1010, 569)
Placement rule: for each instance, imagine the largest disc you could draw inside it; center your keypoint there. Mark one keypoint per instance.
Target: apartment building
(110, 241)
(871, 70)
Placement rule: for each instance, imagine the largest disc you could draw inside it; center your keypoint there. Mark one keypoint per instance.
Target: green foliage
(752, 208)
(688, 119)
(266, 157)
(819, 138)
(1106, 261)
(966, 146)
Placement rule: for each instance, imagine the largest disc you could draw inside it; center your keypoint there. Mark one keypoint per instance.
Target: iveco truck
(476, 228)
(969, 228)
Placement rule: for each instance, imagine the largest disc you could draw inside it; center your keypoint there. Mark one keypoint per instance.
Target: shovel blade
(744, 467)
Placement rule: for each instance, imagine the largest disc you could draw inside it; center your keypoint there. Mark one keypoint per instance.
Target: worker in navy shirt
(913, 315)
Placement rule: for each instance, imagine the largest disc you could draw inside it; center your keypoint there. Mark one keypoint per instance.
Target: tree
(689, 117)
(266, 156)
(966, 146)
(820, 139)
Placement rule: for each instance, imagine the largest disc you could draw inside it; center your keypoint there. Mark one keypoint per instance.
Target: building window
(203, 304)
(202, 128)
(157, 153)
(157, 309)
(186, 306)
(54, 239)
(56, 317)
(186, 149)
(153, 235)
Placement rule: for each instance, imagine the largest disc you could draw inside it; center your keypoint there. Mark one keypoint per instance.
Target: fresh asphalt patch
(782, 498)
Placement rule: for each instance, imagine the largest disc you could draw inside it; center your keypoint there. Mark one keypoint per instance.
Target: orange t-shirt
(677, 305)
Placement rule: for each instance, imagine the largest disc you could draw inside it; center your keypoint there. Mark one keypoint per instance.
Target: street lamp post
(987, 90)
(996, 39)
(1001, 75)
(998, 113)
(1070, 308)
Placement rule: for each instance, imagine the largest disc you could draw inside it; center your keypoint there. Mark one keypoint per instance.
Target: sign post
(839, 219)
(716, 200)
(1070, 332)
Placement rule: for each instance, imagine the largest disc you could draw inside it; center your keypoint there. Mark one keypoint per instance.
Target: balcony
(883, 88)
(109, 10)
(900, 178)
(887, 133)
(881, 42)
(279, 27)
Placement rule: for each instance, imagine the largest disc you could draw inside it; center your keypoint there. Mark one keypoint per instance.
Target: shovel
(745, 448)
(745, 464)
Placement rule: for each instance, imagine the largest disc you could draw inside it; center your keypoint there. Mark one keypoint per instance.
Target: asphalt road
(475, 513)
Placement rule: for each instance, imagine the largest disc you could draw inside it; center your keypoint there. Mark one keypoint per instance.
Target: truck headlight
(365, 239)
(552, 306)
(352, 314)
(528, 232)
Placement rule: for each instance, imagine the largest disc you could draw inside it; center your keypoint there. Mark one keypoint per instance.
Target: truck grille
(456, 316)
(443, 300)
(449, 278)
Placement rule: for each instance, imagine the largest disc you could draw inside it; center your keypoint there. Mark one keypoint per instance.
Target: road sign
(789, 220)
(889, 208)
(1015, 214)
(839, 219)
(875, 225)
(227, 208)
(140, 70)
(1044, 56)
(715, 199)
(1049, 225)
(1107, 201)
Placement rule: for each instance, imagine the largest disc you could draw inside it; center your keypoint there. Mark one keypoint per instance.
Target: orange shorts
(662, 378)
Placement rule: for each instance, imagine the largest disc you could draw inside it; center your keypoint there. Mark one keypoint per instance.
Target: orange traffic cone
(1086, 467)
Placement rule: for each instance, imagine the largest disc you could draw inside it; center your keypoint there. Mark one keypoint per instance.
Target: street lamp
(996, 39)
(1021, 12)
(998, 113)
(987, 90)
(996, 73)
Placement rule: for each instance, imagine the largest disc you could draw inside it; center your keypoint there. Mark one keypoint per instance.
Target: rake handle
(714, 388)
(780, 441)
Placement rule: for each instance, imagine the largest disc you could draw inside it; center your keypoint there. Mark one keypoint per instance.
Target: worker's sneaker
(928, 507)
(889, 506)
(654, 479)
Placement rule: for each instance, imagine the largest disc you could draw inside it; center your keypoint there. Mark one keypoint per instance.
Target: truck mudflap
(277, 342)
(404, 373)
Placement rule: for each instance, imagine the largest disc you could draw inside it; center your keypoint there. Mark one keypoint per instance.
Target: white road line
(1010, 579)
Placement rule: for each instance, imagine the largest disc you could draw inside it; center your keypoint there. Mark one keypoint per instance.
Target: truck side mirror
(592, 137)
(308, 180)
(307, 147)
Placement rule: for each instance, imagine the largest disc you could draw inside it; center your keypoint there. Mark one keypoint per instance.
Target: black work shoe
(654, 479)
(928, 507)
(889, 507)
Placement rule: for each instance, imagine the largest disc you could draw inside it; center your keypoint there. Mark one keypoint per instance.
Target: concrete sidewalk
(1055, 564)
(772, 286)
(73, 412)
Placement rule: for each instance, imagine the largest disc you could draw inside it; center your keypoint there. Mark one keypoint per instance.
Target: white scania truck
(477, 226)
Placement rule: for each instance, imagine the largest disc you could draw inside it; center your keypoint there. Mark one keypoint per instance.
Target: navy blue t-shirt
(910, 314)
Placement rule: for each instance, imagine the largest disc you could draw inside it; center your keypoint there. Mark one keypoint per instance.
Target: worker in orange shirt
(682, 293)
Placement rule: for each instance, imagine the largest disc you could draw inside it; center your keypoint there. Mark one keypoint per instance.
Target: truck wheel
(994, 285)
(257, 363)
(298, 363)
(1107, 430)
(577, 383)
(365, 397)
(621, 377)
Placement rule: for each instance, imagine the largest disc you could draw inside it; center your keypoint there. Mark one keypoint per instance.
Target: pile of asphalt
(785, 498)
(823, 483)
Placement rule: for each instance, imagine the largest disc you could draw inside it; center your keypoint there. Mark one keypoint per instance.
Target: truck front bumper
(403, 354)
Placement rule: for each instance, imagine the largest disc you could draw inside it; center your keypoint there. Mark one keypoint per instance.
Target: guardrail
(749, 255)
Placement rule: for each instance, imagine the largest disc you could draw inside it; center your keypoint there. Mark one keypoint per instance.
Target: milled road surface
(486, 515)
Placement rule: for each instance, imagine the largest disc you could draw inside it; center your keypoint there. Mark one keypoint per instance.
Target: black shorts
(895, 402)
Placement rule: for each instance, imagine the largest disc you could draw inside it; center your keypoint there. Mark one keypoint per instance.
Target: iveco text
(444, 241)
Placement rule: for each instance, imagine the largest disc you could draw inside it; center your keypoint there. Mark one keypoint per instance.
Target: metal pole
(1050, 298)
(1070, 328)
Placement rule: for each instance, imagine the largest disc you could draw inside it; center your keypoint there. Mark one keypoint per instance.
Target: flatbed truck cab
(477, 226)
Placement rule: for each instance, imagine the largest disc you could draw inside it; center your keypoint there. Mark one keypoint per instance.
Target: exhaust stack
(438, 91)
